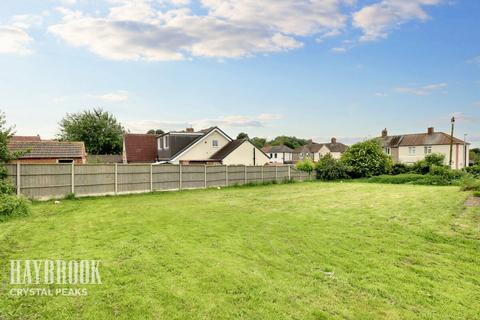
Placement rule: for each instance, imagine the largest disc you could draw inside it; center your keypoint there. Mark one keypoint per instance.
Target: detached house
(409, 148)
(315, 151)
(209, 146)
(279, 154)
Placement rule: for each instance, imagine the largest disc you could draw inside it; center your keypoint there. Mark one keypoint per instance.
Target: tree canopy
(242, 135)
(155, 131)
(366, 159)
(291, 142)
(99, 129)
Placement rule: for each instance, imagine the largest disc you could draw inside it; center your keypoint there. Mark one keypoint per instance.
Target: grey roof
(227, 149)
(277, 149)
(314, 147)
(419, 139)
(48, 149)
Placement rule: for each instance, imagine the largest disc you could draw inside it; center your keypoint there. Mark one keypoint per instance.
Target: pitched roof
(314, 147)
(277, 149)
(25, 138)
(419, 139)
(48, 149)
(227, 149)
(336, 147)
(140, 147)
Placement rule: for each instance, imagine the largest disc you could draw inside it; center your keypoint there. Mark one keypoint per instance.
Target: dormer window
(165, 142)
(215, 143)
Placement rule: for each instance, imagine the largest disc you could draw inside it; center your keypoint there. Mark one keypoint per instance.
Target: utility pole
(452, 121)
(465, 153)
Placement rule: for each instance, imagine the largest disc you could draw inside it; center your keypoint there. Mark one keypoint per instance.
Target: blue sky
(314, 69)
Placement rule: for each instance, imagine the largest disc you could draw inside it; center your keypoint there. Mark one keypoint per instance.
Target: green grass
(294, 251)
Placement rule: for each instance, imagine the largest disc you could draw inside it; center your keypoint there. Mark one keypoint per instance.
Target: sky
(309, 68)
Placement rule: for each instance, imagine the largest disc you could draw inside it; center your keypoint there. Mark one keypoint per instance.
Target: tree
(242, 135)
(291, 142)
(5, 155)
(155, 131)
(475, 155)
(306, 165)
(329, 168)
(259, 142)
(366, 159)
(99, 130)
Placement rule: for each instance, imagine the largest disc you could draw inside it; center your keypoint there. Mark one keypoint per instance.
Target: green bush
(414, 178)
(470, 184)
(474, 170)
(6, 187)
(367, 159)
(435, 159)
(446, 172)
(400, 168)
(476, 194)
(306, 165)
(329, 169)
(11, 206)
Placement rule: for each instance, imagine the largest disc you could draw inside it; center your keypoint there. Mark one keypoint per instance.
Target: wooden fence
(53, 181)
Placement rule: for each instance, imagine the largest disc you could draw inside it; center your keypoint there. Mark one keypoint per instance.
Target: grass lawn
(295, 251)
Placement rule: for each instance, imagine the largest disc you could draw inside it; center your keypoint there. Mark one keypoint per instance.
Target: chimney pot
(430, 130)
(384, 133)
(334, 140)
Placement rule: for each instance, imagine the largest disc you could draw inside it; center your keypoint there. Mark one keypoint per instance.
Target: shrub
(476, 194)
(367, 159)
(421, 167)
(400, 168)
(414, 178)
(470, 184)
(70, 196)
(329, 168)
(11, 206)
(446, 172)
(6, 187)
(306, 165)
(435, 159)
(474, 170)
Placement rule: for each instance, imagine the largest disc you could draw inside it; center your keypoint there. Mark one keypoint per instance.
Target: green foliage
(291, 142)
(475, 155)
(99, 130)
(424, 166)
(155, 131)
(242, 135)
(330, 169)
(446, 172)
(414, 178)
(11, 206)
(400, 168)
(6, 187)
(259, 142)
(435, 159)
(470, 184)
(476, 194)
(70, 196)
(367, 159)
(306, 165)
(5, 155)
(474, 170)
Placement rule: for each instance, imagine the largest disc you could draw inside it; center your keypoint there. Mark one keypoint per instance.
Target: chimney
(310, 141)
(430, 130)
(189, 130)
(334, 140)
(384, 133)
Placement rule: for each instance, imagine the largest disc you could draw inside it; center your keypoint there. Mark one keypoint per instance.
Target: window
(387, 150)
(428, 149)
(159, 144)
(65, 161)
(215, 143)
(165, 142)
(411, 150)
(276, 156)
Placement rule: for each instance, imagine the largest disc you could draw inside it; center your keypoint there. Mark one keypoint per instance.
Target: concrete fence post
(276, 173)
(289, 173)
(73, 177)
(205, 177)
(180, 176)
(151, 177)
(115, 176)
(246, 177)
(18, 179)
(262, 174)
(226, 176)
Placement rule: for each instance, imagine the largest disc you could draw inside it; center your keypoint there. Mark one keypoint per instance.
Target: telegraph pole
(452, 121)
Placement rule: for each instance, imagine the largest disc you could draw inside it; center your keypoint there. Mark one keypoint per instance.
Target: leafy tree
(99, 129)
(155, 131)
(475, 155)
(5, 155)
(242, 135)
(306, 165)
(259, 142)
(367, 159)
(435, 159)
(329, 168)
(291, 142)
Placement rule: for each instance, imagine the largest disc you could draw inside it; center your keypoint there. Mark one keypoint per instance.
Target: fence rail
(53, 181)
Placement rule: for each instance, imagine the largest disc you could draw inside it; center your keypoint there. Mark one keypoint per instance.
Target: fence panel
(42, 181)
(236, 175)
(12, 173)
(94, 179)
(216, 176)
(193, 177)
(133, 178)
(254, 174)
(165, 177)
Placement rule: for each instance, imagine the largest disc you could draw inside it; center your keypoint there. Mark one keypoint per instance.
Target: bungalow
(47, 151)
(209, 146)
(409, 148)
(279, 154)
(315, 151)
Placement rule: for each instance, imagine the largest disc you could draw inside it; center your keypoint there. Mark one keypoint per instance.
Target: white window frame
(412, 151)
(428, 149)
(159, 144)
(215, 143)
(165, 142)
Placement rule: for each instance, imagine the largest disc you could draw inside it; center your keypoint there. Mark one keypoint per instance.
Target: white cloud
(234, 121)
(474, 60)
(138, 30)
(378, 19)
(118, 96)
(339, 50)
(26, 21)
(14, 40)
(423, 90)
